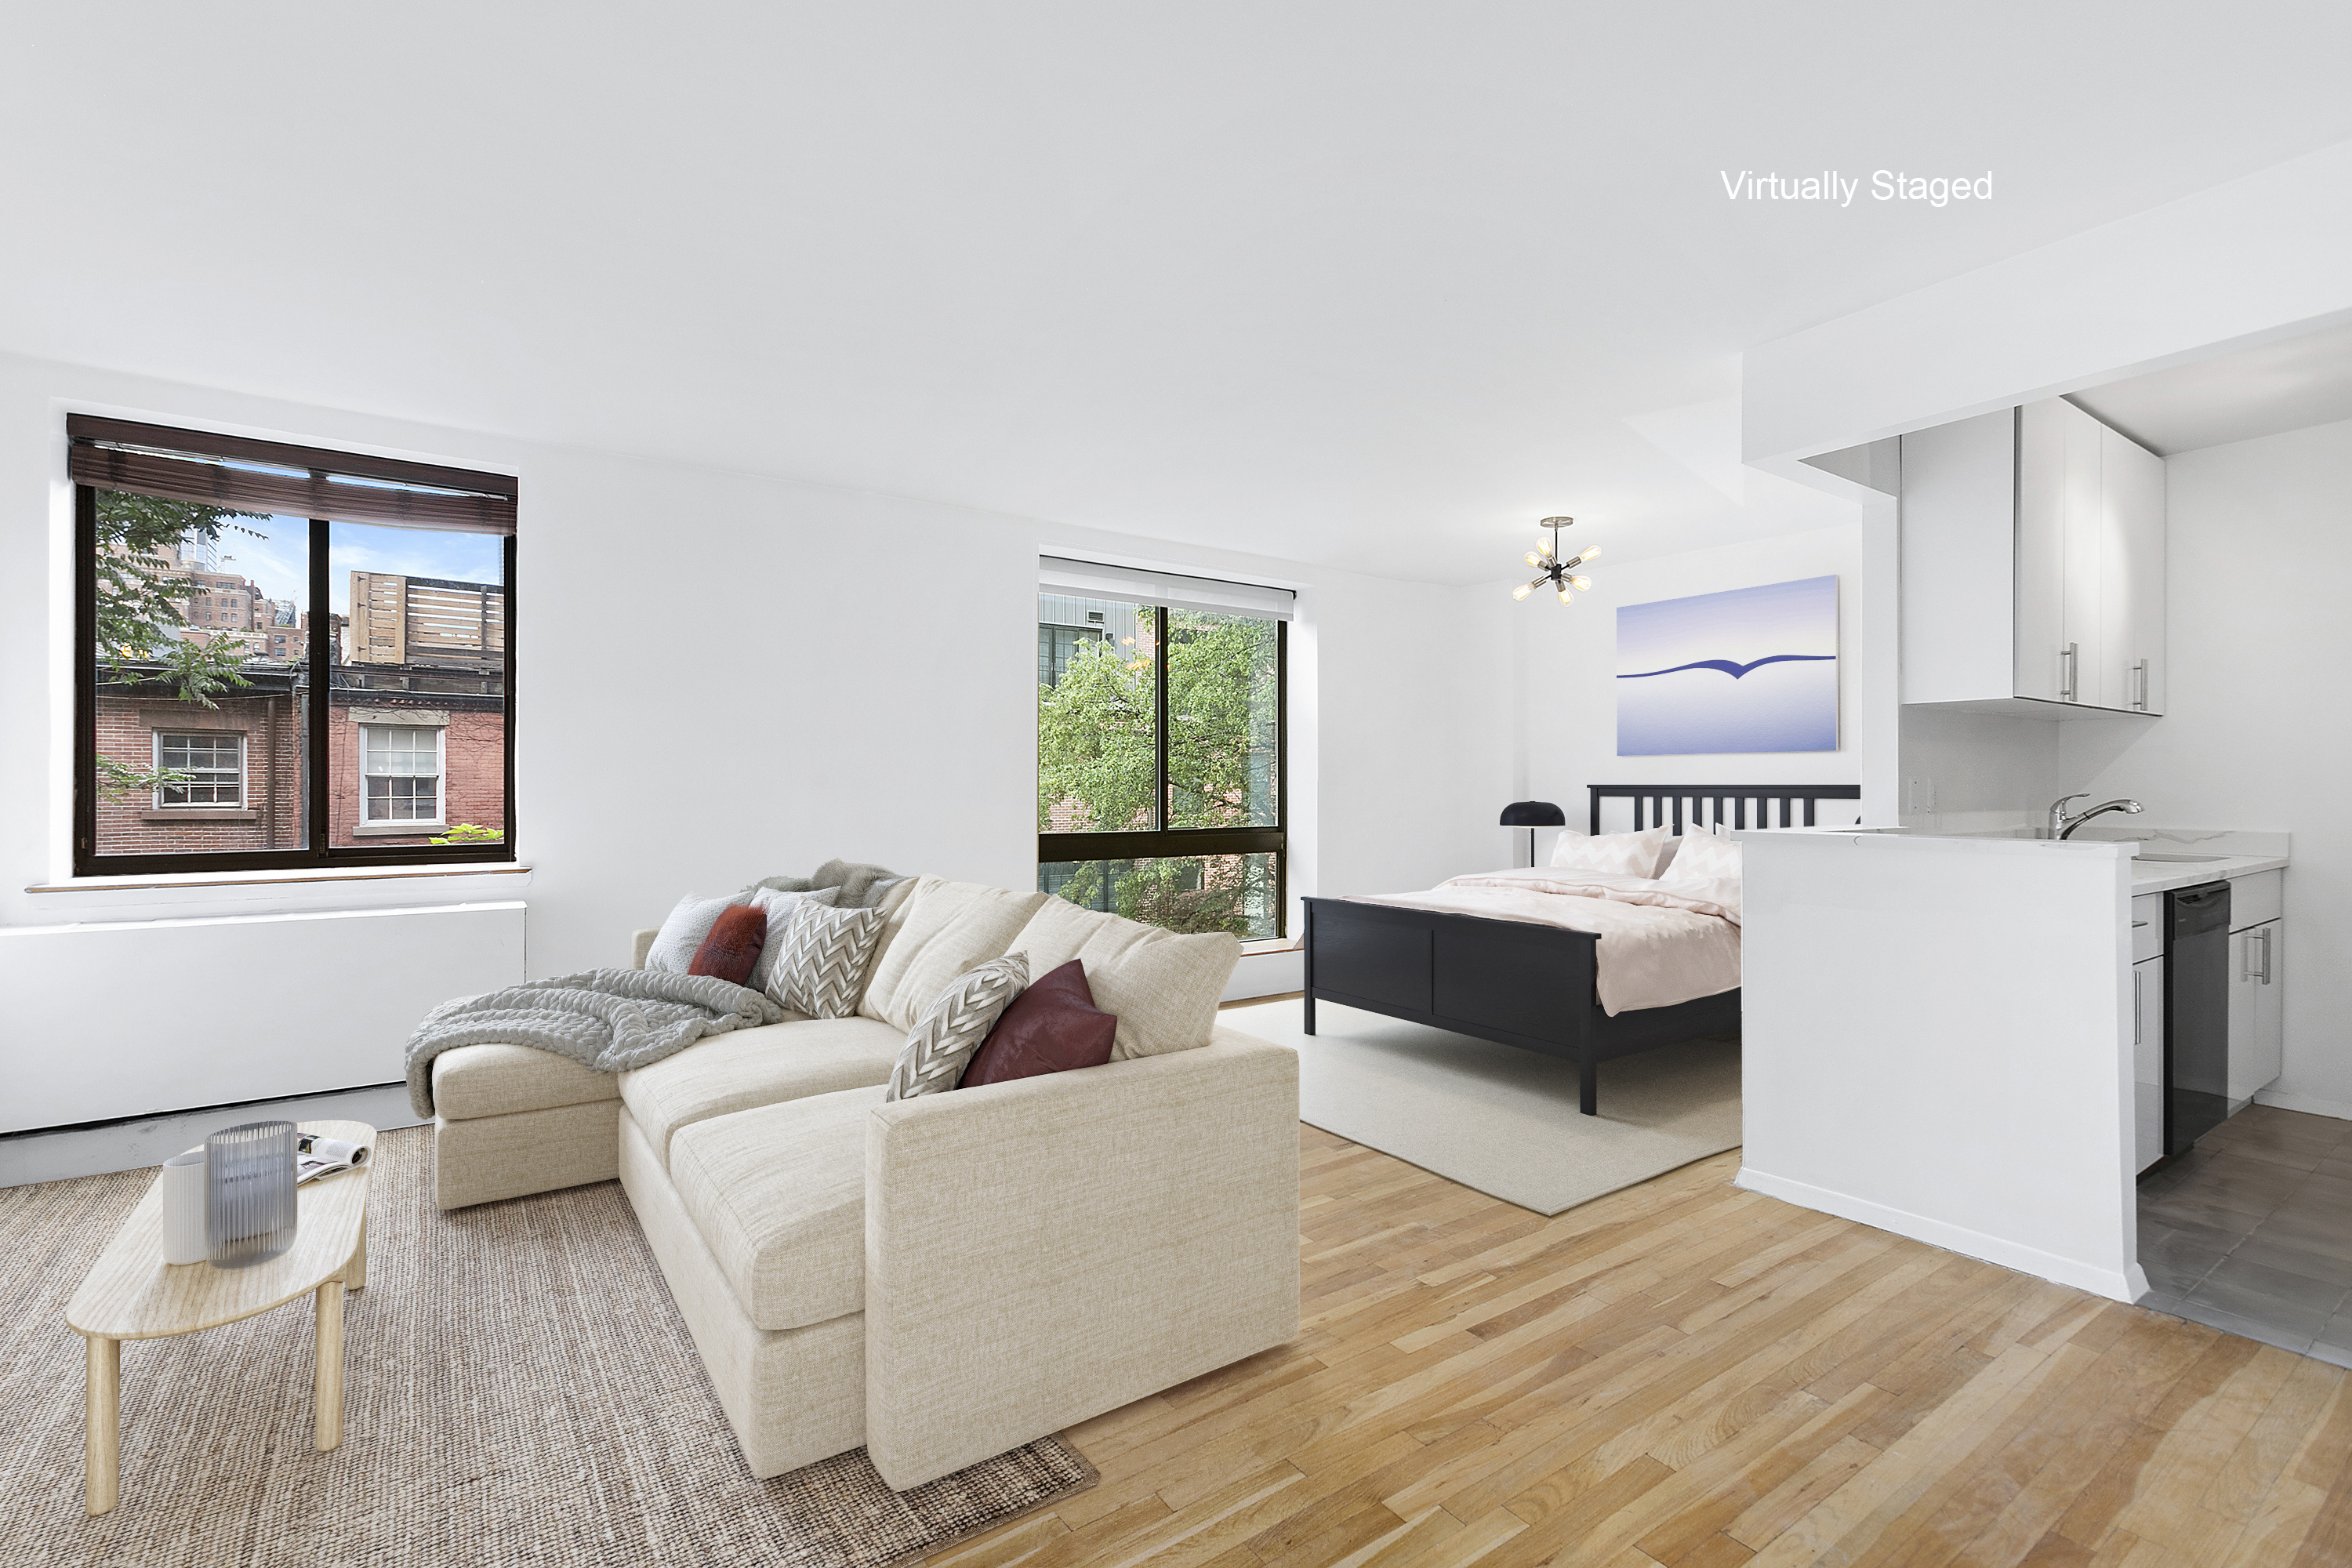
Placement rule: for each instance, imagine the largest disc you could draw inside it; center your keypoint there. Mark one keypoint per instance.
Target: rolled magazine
(315, 1156)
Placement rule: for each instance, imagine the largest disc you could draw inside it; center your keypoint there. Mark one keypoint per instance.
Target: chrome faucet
(2063, 825)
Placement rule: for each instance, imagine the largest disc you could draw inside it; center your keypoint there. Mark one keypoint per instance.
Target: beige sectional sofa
(945, 1278)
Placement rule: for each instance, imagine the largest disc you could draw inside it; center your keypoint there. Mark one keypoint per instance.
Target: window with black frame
(1161, 722)
(287, 657)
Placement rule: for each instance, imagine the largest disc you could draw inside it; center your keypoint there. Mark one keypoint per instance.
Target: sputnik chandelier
(1559, 574)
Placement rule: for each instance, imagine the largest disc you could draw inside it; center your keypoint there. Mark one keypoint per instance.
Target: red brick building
(410, 753)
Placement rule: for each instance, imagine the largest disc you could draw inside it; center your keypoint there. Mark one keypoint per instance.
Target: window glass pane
(199, 677)
(1222, 719)
(1191, 893)
(1097, 710)
(418, 711)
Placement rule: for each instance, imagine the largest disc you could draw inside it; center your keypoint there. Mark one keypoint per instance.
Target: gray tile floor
(2250, 1232)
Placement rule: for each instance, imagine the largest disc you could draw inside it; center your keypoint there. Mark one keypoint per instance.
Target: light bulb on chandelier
(1558, 573)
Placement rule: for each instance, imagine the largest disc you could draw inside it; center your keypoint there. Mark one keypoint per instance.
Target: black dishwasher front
(2196, 1012)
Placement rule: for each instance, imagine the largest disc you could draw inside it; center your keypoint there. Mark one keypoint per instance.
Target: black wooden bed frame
(1520, 983)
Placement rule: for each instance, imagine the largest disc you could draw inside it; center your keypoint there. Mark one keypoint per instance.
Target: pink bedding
(1660, 943)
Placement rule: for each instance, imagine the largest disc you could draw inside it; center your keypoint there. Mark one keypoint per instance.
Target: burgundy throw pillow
(733, 945)
(1052, 1027)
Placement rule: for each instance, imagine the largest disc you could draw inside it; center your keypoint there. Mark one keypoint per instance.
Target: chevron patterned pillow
(941, 1045)
(822, 968)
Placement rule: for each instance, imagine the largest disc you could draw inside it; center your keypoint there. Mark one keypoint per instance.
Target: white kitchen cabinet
(2131, 617)
(2148, 1062)
(2033, 565)
(2257, 1038)
(2038, 662)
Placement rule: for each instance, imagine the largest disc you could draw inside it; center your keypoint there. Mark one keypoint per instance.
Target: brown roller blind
(284, 480)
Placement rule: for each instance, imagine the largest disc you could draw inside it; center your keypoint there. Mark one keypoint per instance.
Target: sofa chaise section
(509, 1120)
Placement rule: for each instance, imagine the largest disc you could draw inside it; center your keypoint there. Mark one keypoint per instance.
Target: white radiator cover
(129, 1018)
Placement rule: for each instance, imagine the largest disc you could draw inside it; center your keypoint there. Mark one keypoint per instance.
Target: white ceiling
(1380, 284)
(2289, 385)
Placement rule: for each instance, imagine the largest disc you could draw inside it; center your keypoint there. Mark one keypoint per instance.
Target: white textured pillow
(682, 933)
(952, 1029)
(1703, 856)
(1623, 854)
(778, 905)
(822, 971)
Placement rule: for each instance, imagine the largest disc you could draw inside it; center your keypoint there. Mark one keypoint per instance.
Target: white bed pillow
(1702, 857)
(1623, 854)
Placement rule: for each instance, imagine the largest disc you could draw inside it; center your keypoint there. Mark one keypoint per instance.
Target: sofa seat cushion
(499, 1080)
(779, 1194)
(1162, 987)
(943, 929)
(733, 1072)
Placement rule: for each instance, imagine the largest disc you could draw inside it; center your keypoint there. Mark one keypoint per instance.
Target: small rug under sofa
(1499, 1119)
(519, 1390)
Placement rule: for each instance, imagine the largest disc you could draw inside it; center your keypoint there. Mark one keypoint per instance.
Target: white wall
(2254, 733)
(722, 676)
(215, 1011)
(1563, 670)
(1967, 773)
(1915, 1019)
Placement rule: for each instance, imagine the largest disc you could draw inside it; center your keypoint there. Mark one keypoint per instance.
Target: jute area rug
(518, 1391)
(1499, 1119)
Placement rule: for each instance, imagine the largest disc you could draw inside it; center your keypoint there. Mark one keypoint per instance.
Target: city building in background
(428, 621)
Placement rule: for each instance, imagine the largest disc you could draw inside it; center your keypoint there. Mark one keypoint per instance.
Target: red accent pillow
(733, 945)
(1052, 1027)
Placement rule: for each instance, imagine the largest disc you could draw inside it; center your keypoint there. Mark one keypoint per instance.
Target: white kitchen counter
(2239, 854)
(2163, 876)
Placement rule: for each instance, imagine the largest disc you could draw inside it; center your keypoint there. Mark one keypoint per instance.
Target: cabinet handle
(2137, 988)
(2140, 671)
(2265, 934)
(2072, 655)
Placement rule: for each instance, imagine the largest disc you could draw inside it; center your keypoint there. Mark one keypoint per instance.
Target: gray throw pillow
(779, 907)
(681, 934)
(822, 970)
(944, 1040)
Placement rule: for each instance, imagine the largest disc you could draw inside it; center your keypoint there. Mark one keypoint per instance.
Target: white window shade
(1128, 584)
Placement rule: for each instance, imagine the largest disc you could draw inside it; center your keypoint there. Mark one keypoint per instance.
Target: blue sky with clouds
(280, 561)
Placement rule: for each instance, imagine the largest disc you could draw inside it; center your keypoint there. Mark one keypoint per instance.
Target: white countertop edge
(2160, 877)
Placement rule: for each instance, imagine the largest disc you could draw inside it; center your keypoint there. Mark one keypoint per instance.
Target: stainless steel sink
(2199, 859)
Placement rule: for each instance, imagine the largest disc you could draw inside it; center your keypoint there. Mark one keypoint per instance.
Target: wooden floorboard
(1686, 1375)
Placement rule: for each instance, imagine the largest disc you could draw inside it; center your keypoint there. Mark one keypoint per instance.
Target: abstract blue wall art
(1753, 669)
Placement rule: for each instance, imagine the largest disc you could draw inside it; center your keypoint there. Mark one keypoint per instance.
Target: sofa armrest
(1040, 1251)
(642, 942)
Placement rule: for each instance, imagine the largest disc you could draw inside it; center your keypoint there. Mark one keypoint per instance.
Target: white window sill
(1273, 945)
(276, 879)
(397, 829)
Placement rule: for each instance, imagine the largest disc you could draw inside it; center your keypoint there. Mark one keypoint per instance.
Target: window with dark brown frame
(287, 657)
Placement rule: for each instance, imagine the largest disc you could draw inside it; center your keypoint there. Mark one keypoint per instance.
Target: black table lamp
(1532, 815)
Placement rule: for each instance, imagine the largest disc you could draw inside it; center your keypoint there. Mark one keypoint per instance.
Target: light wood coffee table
(132, 1294)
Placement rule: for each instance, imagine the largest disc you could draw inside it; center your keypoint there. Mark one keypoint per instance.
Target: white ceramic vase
(183, 1208)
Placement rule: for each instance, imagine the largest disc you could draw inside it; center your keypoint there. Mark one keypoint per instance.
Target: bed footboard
(1511, 982)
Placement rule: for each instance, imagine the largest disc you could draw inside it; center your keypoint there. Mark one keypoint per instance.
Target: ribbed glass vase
(249, 1193)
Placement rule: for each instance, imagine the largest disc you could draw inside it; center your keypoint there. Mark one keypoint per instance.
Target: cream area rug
(518, 1389)
(1499, 1119)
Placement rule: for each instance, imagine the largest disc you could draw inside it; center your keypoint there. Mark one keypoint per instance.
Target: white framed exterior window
(214, 762)
(401, 774)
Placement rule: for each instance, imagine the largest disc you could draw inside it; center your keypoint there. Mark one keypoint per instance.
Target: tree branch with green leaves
(142, 614)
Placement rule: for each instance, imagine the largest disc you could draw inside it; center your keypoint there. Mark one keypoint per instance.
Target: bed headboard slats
(1712, 804)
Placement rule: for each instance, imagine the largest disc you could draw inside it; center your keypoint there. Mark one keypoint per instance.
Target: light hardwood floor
(1684, 1374)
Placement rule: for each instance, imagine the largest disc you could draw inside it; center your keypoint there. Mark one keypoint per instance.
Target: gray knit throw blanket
(608, 1019)
(862, 887)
